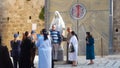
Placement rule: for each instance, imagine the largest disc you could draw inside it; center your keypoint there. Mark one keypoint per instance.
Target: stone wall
(96, 20)
(18, 15)
(116, 26)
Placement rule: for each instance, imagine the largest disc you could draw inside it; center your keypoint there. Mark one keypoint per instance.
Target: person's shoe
(69, 62)
(90, 63)
(74, 65)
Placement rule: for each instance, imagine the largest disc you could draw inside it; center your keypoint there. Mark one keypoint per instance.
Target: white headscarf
(58, 21)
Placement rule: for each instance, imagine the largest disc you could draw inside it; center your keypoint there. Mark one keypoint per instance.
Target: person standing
(90, 48)
(25, 55)
(60, 27)
(45, 50)
(33, 50)
(69, 30)
(73, 49)
(5, 61)
(15, 52)
(56, 40)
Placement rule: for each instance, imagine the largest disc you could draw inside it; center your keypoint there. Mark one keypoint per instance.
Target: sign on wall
(77, 11)
(34, 26)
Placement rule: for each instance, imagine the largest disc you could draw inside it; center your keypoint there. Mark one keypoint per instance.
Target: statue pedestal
(60, 54)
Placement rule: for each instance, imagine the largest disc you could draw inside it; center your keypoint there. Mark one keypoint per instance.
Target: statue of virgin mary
(58, 21)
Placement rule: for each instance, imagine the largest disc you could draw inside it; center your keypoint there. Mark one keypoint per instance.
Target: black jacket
(5, 61)
(25, 55)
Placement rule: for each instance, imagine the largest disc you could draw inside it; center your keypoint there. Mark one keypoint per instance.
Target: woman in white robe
(73, 55)
(45, 50)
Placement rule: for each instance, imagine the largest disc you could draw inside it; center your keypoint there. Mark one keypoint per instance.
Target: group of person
(23, 51)
(48, 44)
(73, 39)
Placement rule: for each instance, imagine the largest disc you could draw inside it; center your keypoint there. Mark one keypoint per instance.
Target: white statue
(58, 21)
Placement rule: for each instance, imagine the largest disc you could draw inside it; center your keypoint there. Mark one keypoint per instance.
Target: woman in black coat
(5, 61)
(25, 55)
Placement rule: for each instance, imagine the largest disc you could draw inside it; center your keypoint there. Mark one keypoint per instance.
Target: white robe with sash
(73, 55)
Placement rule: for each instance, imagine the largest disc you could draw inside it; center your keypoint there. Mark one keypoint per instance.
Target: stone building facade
(116, 26)
(96, 20)
(19, 15)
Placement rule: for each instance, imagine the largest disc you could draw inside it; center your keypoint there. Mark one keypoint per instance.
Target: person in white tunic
(73, 55)
(45, 50)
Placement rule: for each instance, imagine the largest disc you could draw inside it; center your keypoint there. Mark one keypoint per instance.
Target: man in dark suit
(5, 61)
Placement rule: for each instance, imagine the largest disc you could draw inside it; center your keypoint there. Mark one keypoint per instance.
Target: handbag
(71, 49)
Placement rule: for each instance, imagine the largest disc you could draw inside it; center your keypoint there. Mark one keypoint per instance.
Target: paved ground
(105, 62)
(112, 61)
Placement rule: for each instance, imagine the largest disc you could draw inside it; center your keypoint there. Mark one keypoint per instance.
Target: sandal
(90, 63)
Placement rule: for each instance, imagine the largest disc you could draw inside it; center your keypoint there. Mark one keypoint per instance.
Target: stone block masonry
(18, 15)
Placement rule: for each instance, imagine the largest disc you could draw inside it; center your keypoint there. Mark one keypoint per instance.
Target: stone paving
(111, 61)
(106, 62)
